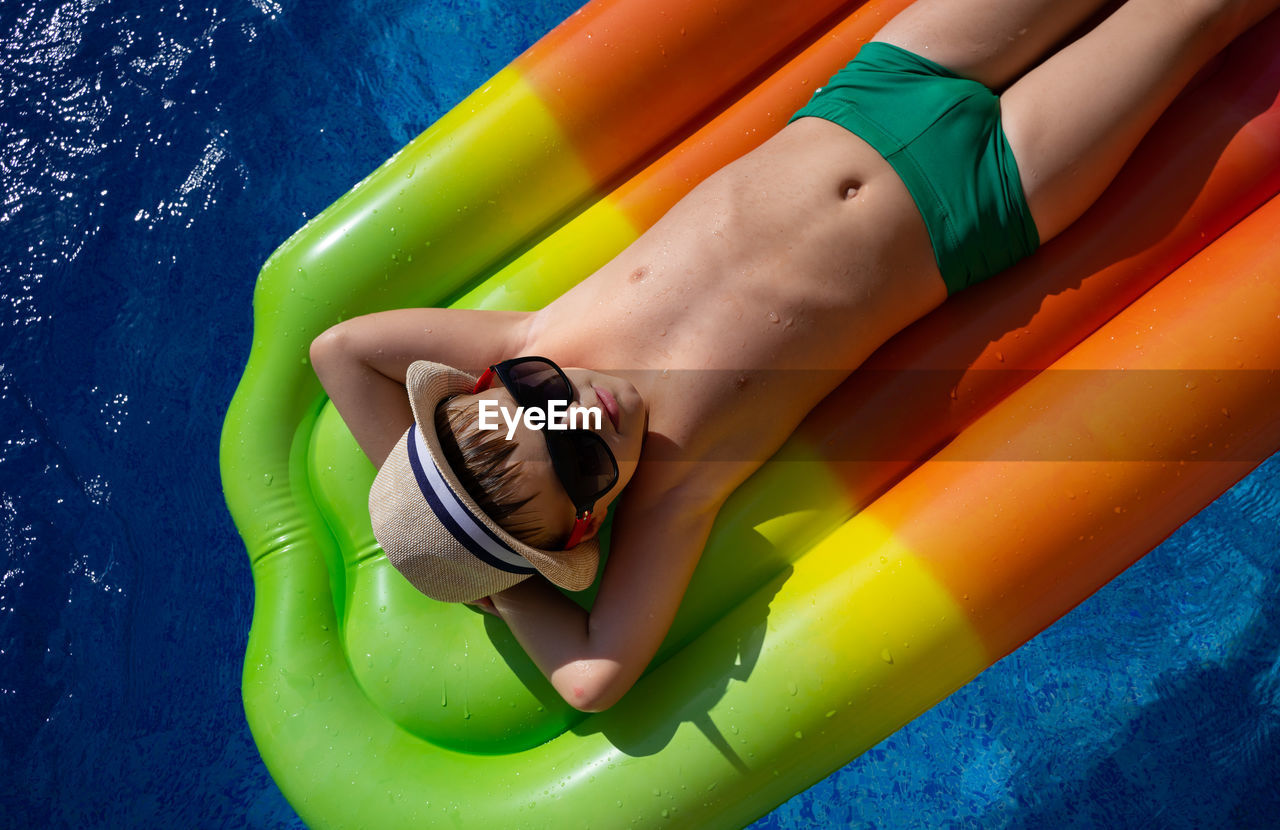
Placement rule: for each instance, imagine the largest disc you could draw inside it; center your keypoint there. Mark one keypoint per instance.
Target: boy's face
(622, 420)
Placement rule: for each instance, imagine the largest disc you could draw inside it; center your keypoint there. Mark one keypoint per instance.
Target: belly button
(849, 188)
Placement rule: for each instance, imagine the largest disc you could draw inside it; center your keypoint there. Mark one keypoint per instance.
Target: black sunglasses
(581, 459)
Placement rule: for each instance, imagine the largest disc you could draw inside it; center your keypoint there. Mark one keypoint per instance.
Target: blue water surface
(151, 156)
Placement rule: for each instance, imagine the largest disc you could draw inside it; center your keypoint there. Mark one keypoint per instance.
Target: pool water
(151, 156)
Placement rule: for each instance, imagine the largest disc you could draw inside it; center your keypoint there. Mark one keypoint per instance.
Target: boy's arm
(593, 659)
(362, 362)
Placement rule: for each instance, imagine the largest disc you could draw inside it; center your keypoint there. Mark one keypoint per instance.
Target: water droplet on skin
(773, 316)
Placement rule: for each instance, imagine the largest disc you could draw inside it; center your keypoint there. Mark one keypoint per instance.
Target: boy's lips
(609, 403)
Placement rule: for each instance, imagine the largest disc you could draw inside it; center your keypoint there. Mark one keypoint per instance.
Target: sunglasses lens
(537, 382)
(582, 461)
(584, 465)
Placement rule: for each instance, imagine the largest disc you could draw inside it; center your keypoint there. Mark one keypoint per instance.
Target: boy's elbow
(591, 685)
(329, 346)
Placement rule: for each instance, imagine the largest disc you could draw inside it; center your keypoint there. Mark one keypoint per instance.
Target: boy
(903, 181)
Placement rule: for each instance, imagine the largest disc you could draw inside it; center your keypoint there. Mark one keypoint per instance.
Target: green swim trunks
(942, 135)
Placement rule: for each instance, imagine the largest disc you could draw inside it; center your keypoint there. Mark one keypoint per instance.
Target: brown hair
(480, 459)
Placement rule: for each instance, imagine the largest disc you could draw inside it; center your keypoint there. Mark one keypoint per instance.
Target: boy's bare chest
(766, 266)
(756, 295)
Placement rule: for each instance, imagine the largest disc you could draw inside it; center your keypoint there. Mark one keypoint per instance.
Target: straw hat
(431, 529)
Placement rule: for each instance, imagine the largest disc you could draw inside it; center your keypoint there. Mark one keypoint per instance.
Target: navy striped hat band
(471, 533)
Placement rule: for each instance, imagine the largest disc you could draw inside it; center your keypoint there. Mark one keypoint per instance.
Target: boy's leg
(989, 41)
(1073, 121)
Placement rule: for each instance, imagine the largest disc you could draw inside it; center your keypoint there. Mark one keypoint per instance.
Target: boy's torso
(754, 297)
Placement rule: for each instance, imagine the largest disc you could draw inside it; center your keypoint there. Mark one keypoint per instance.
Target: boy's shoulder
(673, 487)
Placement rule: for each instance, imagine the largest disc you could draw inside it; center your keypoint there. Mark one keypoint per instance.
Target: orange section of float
(919, 390)
(750, 120)
(1210, 160)
(611, 67)
(1093, 463)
